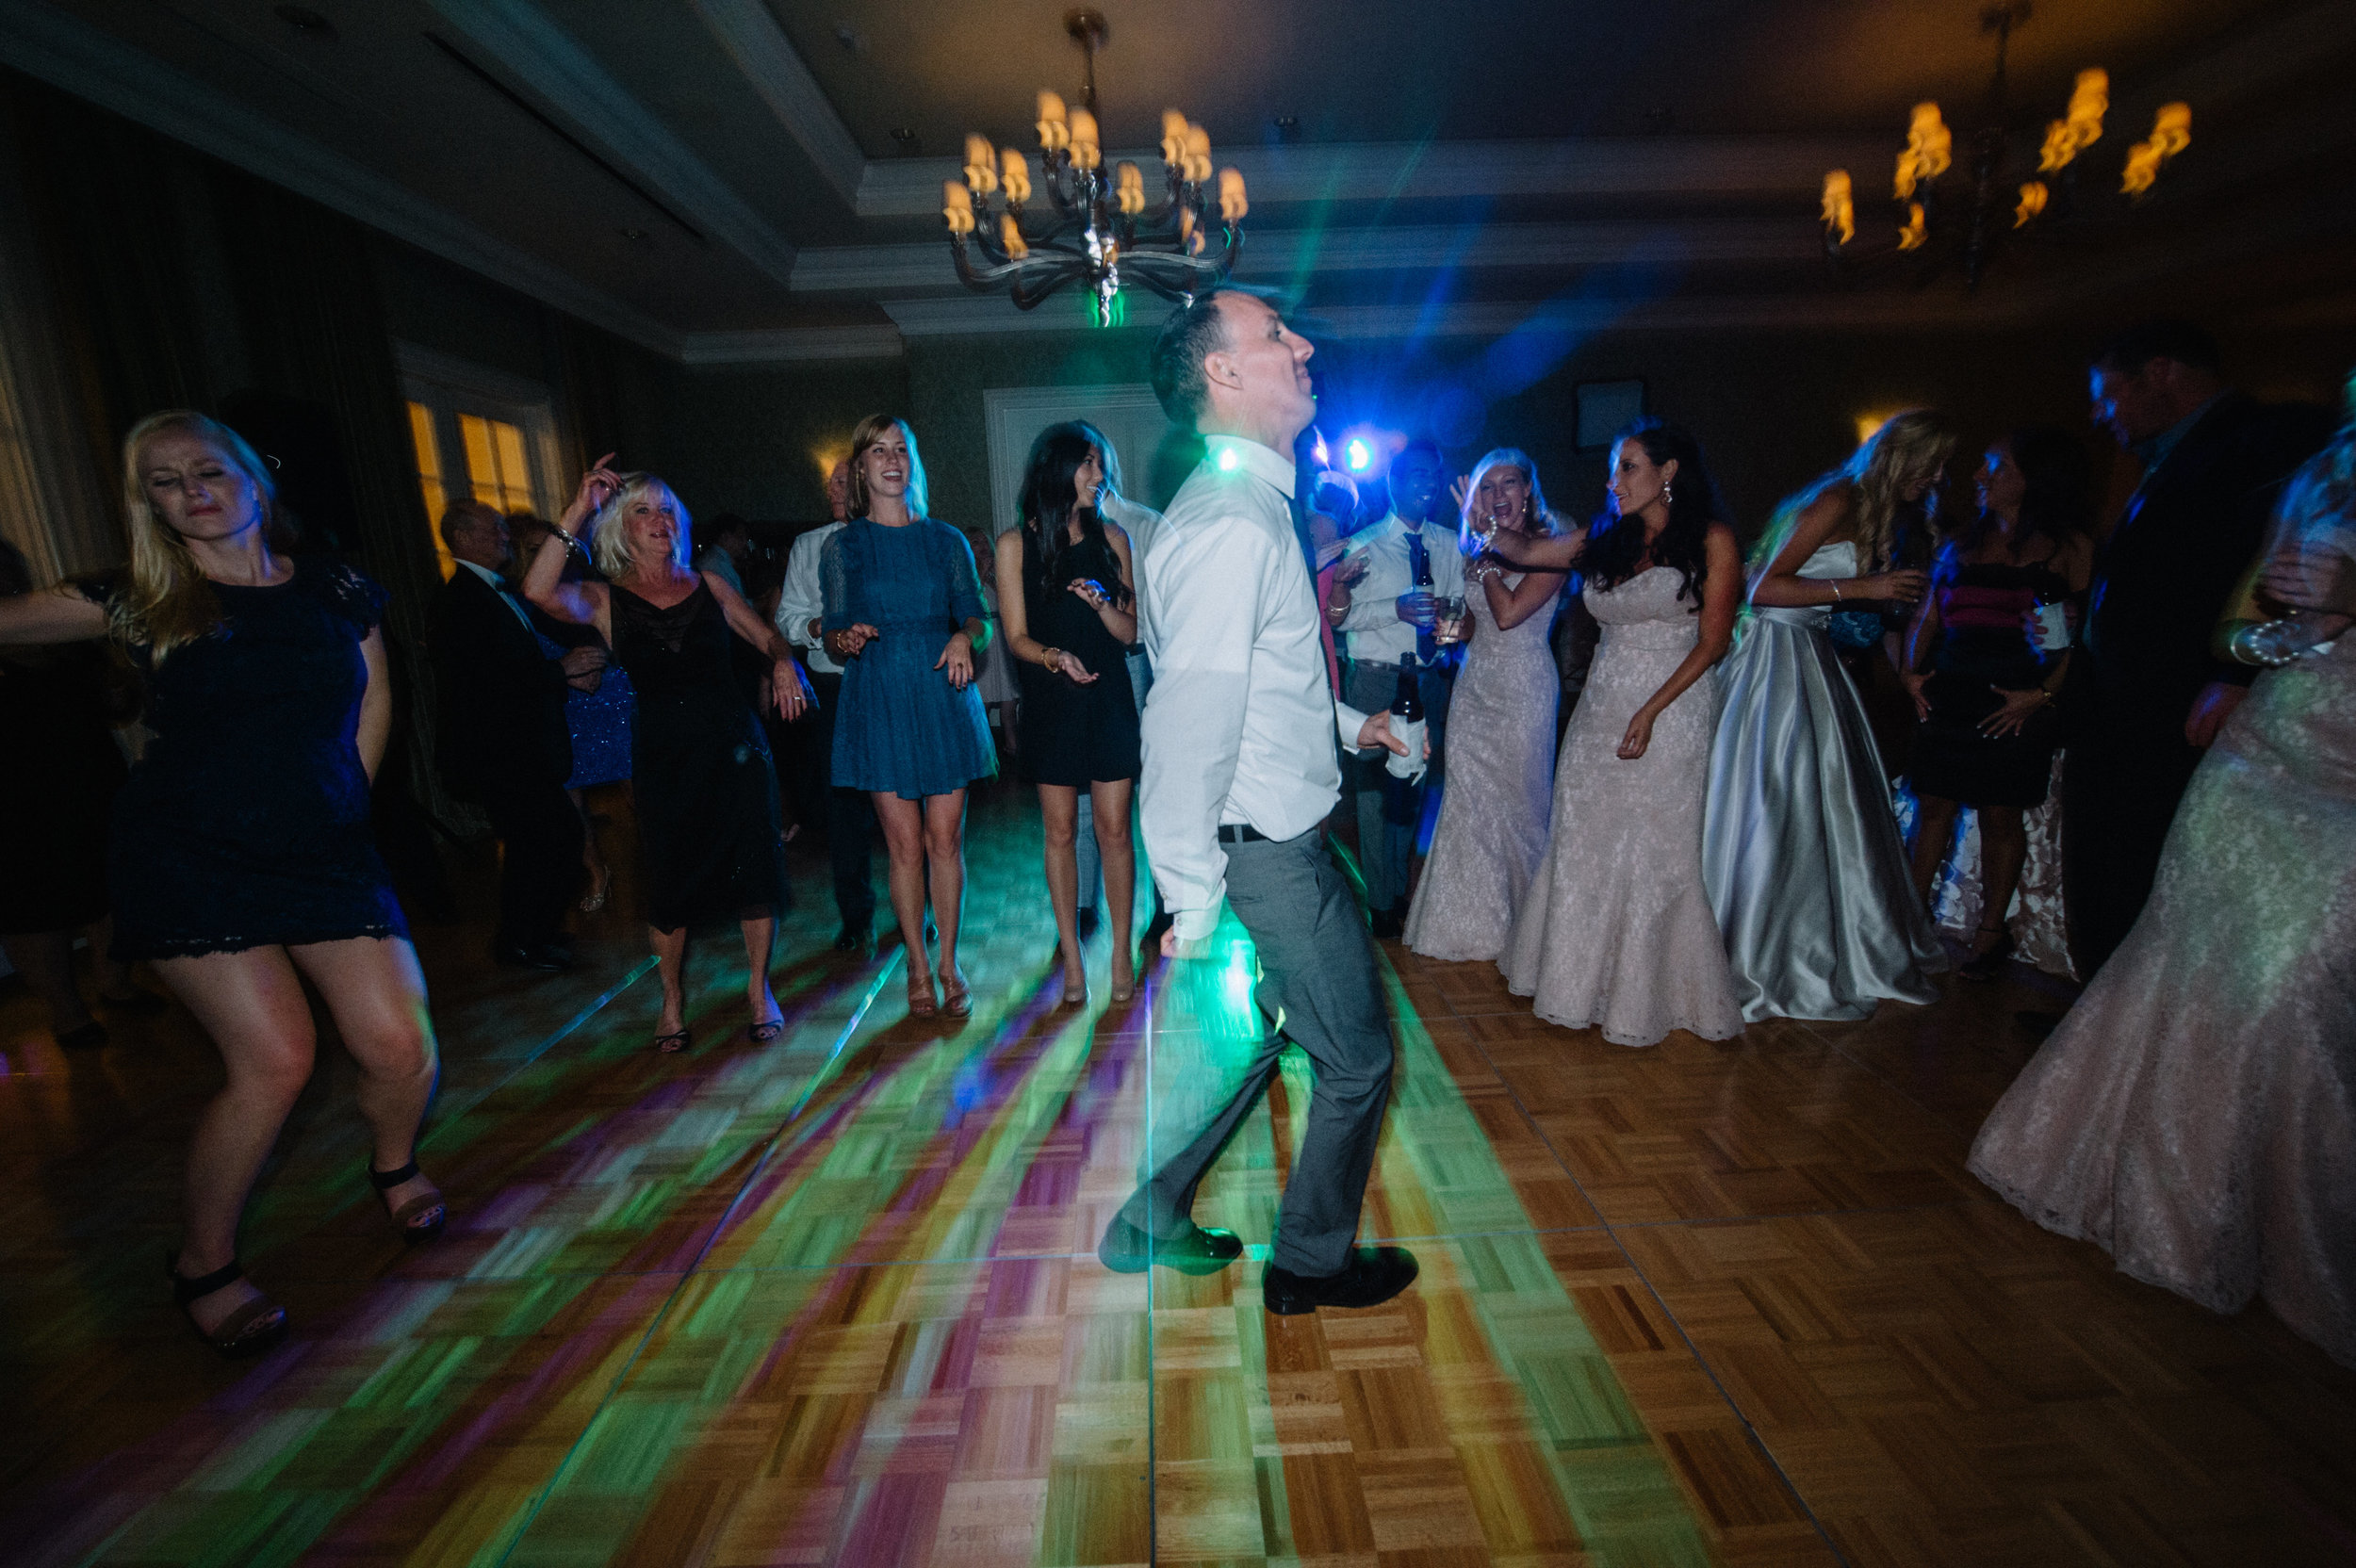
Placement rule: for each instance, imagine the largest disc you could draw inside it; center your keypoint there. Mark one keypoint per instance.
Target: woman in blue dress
(240, 862)
(903, 614)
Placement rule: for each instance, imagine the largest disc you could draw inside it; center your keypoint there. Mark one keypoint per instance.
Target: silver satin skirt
(1800, 854)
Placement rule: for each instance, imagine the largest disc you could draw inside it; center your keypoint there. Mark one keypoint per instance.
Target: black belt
(1241, 833)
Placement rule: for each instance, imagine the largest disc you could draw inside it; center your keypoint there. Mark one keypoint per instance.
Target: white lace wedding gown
(1617, 931)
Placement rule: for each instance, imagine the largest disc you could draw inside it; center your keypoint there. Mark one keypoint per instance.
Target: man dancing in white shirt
(1240, 734)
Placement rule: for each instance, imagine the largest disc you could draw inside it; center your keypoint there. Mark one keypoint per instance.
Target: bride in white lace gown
(1617, 932)
(1500, 736)
(2195, 1114)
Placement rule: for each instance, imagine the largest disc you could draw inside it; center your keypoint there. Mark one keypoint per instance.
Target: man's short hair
(1193, 334)
(462, 514)
(719, 527)
(1427, 447)
(2164, 338)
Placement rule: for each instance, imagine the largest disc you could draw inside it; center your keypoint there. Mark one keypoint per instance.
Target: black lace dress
(246, 823)
(709, 839)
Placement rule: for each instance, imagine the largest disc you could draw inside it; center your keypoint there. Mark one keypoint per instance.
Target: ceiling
(721, 179)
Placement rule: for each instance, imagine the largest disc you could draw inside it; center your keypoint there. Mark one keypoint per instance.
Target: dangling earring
(1668, 496)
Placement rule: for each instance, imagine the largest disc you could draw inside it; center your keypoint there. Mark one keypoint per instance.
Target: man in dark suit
(2146, 694)
(504, 740)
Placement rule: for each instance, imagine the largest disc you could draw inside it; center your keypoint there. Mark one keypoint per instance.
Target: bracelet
(1049, 658)
(1836, 589)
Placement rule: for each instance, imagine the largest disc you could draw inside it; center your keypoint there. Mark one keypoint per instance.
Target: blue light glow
(1358, 455)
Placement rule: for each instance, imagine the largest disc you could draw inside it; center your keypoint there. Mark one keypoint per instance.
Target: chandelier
(1098, 232)
(1968, 224)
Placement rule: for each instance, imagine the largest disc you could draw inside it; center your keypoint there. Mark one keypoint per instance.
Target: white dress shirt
(506, 592)
(1240, 725)
(804, 598)
(1372, 624)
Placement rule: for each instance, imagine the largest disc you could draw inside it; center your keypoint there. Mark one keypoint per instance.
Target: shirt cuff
(1347, 722)
(1194, 926)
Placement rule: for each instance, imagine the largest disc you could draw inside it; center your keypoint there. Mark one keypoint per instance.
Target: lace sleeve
(353, 594)
(834, 576)
(965, 582)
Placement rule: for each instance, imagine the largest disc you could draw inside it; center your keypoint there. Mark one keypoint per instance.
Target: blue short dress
(902, 729)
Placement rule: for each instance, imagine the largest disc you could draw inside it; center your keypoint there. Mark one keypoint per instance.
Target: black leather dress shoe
(1374, 1276)
(851, 940)
(1391, 924)
(544, 957)
(1195, 1249)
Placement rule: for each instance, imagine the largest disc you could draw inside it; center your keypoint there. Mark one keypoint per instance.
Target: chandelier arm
(1027, 297)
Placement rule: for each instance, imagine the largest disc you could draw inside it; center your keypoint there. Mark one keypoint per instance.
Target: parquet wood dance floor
(834, 1299)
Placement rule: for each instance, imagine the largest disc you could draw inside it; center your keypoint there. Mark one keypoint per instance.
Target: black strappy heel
(385, 1181)
(247, 1331)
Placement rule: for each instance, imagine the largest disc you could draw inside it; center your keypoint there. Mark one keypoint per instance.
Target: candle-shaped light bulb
(2172, 129)
(956, 206)
(1915, 232)
(1839, 205)
(1010, 238)
(1130, 183)
(1173, 138)
(2033, 199)
(1015, 169)
(981, 164)
(1053, 134)
(1084, 148)
(1197, 167)
(1231, 205)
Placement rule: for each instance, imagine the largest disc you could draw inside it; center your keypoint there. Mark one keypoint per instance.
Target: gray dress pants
(1318, 989)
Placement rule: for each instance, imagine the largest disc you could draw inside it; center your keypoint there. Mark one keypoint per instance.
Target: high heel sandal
(956, 997)
(674, 1043)
(249, 1330)
(1122, 993)
(763, 1033)
(1983, 965)
(921, 1003)
(425, 1202)
(1074, 994)
(595, 900)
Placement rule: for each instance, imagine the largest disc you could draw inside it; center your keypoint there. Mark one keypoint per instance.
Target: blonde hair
(1536, 520)
(872, 430)
(1909, 448)
(610, 537)
(169, 603)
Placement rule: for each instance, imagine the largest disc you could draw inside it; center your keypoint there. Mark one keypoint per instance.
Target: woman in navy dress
(709, 841)
(240, 861)
(904, 614)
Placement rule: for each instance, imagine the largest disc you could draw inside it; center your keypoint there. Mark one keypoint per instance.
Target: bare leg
(45, 958)
(944, 854)
(1933, 835)
(903, 824)
(1113, 843)
(759, 938)
(1060, 814)
(600, 874)
(2004, 849)
(376, 994)
(251, 1004)
(670, 955)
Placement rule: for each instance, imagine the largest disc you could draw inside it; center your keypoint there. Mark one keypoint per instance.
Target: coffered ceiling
(744, 180)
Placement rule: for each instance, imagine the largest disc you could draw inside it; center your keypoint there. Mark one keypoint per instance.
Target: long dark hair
(1048, 502)
(1615, 545)
(2057, 501)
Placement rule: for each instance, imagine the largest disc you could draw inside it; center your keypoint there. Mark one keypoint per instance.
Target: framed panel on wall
(1604, 407)
(1127, 413)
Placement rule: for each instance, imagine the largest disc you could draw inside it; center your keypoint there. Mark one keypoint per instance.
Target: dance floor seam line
(1750, 1430)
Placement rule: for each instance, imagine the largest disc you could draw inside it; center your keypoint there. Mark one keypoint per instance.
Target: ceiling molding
(788, 344)
(1750, 165)
(769, 60)
(1283, 253)
(78, 59)
(531, 44)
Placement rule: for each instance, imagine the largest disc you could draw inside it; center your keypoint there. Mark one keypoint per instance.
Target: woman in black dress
(240, 861)
(1986, 738)
(1068, 597)
(708, 841)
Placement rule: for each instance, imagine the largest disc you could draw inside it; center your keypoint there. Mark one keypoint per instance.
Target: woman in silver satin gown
(1500, 735)
(2195, 1114)
(1616, 932)
(1800, 847)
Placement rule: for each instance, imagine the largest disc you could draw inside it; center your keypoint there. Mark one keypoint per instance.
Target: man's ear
(1220, 365)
